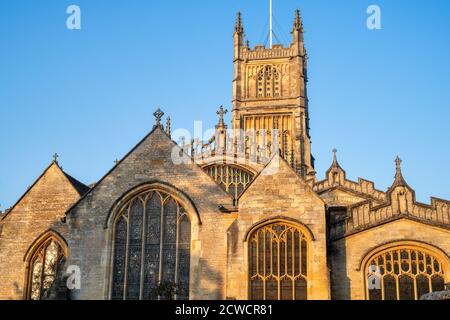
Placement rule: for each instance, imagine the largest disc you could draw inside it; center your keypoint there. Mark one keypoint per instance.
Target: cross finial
(55, 157)
(221, 112)
(158, 115)
(335, 161)
(398, 163)
(399, 181)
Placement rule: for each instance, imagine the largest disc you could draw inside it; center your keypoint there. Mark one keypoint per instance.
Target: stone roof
(81, 188)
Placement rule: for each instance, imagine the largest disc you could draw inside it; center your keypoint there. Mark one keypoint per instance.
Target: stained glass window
(151, 258)
(43, 268)
(403, 273)
(278, 263)
(233, 179)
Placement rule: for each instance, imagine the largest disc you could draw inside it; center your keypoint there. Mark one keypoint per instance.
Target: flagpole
(271, 25)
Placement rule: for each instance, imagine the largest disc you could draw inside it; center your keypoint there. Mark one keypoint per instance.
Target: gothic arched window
(43, 267)
(278, 263)
(233, 179)
(151, 258)
(269, 82)
(403, 273)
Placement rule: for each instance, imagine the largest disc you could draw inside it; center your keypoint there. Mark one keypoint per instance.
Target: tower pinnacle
(239, 28)
(298, 23)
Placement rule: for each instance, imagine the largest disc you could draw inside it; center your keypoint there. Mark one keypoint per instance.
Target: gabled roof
(79, 187)
(277, 158)
(118, 163)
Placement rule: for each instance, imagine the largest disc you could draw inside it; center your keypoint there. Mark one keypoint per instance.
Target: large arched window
(231, 178)
(43, 263)
(404, 272)
(278, 262)
(151, 258)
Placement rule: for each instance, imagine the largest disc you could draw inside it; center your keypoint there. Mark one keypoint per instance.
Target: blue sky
(90, 94)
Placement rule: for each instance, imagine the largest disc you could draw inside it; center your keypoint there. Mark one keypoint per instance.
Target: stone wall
(347, 279)
(150, 163)
(40, 210)
(278, 193)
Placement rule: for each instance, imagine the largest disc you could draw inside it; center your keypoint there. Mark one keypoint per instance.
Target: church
(243, 216)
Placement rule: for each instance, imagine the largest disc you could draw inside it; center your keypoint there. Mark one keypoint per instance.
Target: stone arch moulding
(427, 249)
(252, 168)
(41, 239)
(32, 249)
(176, 193)
(278, 219)
(398, 243)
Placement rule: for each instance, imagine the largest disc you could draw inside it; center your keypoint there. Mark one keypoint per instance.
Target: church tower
(269, 95)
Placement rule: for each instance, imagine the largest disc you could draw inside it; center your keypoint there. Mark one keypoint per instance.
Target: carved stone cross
(221, 112)
(55, 157)
(398, 162)
(158, 115)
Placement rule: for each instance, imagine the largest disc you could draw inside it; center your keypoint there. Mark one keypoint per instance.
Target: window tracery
(404, 273)
(151, 258)
(233, 179)
(278, 263)
(43, 268)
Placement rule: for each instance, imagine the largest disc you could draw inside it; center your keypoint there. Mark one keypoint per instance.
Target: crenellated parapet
(261, 52)
(400, 204)
(336, 178)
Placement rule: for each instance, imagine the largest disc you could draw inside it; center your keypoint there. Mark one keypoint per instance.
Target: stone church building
(241, 216)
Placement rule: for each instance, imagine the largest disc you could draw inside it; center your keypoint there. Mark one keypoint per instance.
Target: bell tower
(270, 94)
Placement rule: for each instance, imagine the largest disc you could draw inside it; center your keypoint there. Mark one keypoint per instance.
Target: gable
(53, 190)
(155, 159)
(278, 186)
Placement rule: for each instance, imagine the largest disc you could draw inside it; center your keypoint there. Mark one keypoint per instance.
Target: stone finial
(398, 169)
(239, 28)
(158, 115)
(55, 157)
(398, 163)
(335, 160)
(221, 112)
(116, 162)
(298, 23)
(168, 127)
(399, 180)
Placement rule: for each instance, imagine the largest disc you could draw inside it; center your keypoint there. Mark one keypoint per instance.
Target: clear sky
(90, 94)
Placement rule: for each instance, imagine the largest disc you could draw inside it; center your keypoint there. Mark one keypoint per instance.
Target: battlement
(261, 52)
